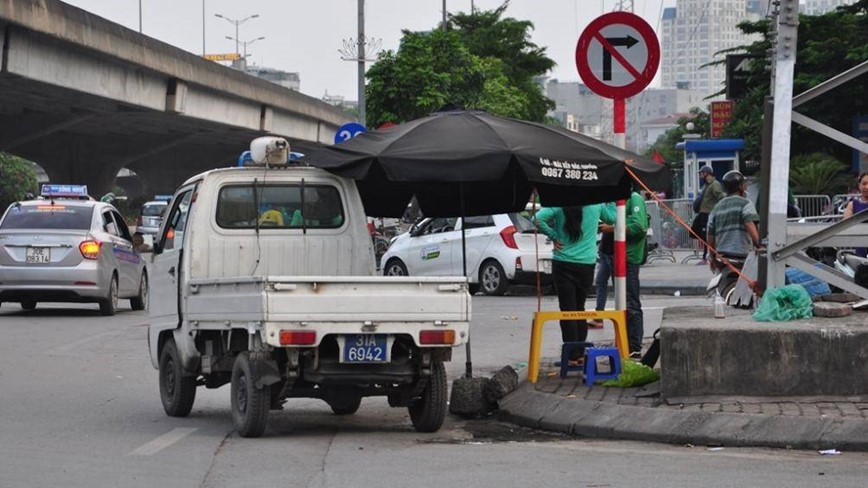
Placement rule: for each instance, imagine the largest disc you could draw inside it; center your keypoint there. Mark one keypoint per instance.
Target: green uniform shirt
(637, 225)
(712, 194)
(550, 221)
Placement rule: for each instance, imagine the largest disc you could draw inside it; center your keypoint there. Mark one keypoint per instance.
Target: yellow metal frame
(618, 318)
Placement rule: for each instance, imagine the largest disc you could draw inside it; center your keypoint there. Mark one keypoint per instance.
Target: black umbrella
(459, 163)
(492, 162)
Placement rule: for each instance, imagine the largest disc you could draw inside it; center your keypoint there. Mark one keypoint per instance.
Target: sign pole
(619, 124)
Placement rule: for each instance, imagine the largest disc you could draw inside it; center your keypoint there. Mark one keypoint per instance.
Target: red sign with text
(721, 114)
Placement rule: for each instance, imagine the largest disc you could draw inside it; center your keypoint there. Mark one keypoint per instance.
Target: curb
(530, 408)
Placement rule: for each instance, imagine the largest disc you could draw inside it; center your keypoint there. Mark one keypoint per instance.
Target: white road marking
(162, 442)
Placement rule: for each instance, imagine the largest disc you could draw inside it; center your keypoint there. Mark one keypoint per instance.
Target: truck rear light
(508, 236)
(297, 338)
(437, 337)
(518, 264)
(90, 249)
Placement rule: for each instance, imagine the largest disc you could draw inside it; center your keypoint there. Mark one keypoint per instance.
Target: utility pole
(361, 76)
(140, 16)
(444, 14)
(779, 169)
(203, 28)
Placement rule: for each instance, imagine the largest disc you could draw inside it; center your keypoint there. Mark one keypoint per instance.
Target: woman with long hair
(573, 231)
(857, 204)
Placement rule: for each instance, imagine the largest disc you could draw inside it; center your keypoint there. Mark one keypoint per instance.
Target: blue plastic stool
(592, 372)
(566, 351)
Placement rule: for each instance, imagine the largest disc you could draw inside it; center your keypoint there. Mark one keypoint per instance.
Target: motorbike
(854, 266)
(725, 282)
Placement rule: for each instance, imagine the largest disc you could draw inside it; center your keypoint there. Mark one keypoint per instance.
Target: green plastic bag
(785, 303)
(633, 374)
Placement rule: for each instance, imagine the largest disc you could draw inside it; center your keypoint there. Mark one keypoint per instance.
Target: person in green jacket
(636, 234)
(573, 231)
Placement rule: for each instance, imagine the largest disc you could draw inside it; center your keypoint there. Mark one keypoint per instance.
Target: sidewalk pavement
(568, 405)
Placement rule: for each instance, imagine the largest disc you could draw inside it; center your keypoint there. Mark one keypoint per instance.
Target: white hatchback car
(500, 251)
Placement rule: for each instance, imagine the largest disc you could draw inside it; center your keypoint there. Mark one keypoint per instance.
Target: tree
(16, 178)
(817, 174)
(827, 45)
(665, 144)
(480, 62)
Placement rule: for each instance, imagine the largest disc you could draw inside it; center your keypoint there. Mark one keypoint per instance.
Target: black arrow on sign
(628, 41)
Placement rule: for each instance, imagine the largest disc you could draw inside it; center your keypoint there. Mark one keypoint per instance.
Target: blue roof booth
(720, 154)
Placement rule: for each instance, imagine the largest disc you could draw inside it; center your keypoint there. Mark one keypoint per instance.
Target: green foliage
(818, 174)
(665, 144)
(16, 178)
(481, 62)
(827, 45)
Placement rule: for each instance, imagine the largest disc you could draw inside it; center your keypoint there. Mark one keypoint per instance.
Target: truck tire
(140, 301)
(250, 405)
(492, 279)
(427, 413)
(177, 391)
(109, 305)
(345, 404)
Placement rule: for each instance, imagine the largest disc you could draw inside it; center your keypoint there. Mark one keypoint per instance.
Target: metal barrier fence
(668, 234)
(814, 205)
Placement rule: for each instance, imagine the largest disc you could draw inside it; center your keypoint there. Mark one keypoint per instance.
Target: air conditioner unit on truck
(264, 277)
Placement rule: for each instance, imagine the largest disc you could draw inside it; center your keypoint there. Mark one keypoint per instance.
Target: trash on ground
(715, 448)
(830, 452)
(633, 374)
(784, 303)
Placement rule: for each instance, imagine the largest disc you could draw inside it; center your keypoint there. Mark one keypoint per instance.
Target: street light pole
(236, 23)
(361, 75)
(140, 16)
(203, 28)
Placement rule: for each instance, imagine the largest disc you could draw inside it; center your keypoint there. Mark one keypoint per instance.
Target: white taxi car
(500, 251)
(66, 247)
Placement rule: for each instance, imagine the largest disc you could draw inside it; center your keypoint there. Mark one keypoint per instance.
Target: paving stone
(830, 309)
(752, 408)
(711, 407)
(809, 410)
(595, 393)
(770, 408)
(849, 410)
(731, 407)
(790, 409)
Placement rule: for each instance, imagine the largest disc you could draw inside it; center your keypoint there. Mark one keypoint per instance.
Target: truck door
(165, 269)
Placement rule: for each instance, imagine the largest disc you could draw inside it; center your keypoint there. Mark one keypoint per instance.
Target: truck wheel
(427, 413)
(395, 268)
(28, 304)
(249, 404)
(345, 404)
(492, 278)
(140, 301)
(177, 391)
(109, 305)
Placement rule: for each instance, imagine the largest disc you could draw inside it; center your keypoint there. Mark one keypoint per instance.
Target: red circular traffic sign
(617, 55)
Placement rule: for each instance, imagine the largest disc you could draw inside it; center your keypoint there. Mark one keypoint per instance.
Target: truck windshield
(281, 206)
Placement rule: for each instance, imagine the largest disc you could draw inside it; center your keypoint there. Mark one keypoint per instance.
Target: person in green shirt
(636, 234)
(573, 231)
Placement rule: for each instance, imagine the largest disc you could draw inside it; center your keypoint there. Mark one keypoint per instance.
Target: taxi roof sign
(64, 191)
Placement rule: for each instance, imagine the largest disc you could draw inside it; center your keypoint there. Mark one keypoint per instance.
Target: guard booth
(720, 154)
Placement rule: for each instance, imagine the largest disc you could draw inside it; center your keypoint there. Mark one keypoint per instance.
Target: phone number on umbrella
(570, 174)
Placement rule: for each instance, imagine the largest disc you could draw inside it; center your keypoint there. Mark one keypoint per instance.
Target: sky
(304, 36)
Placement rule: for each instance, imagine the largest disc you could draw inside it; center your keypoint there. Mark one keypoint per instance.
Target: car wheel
(427, 413)
(249, 404)
(395, 268)
(177, 391)
(109, 305)
(492, 279)
(345, 403)
(28, 304)
(140, 301)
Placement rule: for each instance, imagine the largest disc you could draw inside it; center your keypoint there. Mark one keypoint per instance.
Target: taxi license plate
(547, 266)
(37, 255)
(365, 348)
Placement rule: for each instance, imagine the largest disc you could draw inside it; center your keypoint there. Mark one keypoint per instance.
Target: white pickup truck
(264, 277)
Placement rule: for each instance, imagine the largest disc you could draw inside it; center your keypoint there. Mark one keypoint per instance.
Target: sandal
(595, 324)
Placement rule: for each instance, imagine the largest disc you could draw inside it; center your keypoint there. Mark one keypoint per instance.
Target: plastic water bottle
(719, 304)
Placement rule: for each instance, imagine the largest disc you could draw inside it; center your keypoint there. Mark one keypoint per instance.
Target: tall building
(693, 31)
(820, 7)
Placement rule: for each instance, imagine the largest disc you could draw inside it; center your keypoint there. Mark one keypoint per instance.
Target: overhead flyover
(84, 97)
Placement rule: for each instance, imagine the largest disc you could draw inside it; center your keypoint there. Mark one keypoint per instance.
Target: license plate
(365, 348)
(547, 266)
(38, 255)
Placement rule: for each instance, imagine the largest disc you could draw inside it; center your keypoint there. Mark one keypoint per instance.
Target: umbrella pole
(468, 365)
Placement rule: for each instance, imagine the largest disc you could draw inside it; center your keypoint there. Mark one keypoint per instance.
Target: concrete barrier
(703, 356)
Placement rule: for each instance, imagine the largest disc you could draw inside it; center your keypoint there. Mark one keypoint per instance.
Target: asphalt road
(79, 407)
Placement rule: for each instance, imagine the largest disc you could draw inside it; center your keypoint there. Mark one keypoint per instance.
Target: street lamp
(236, 23)
(244, 44)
